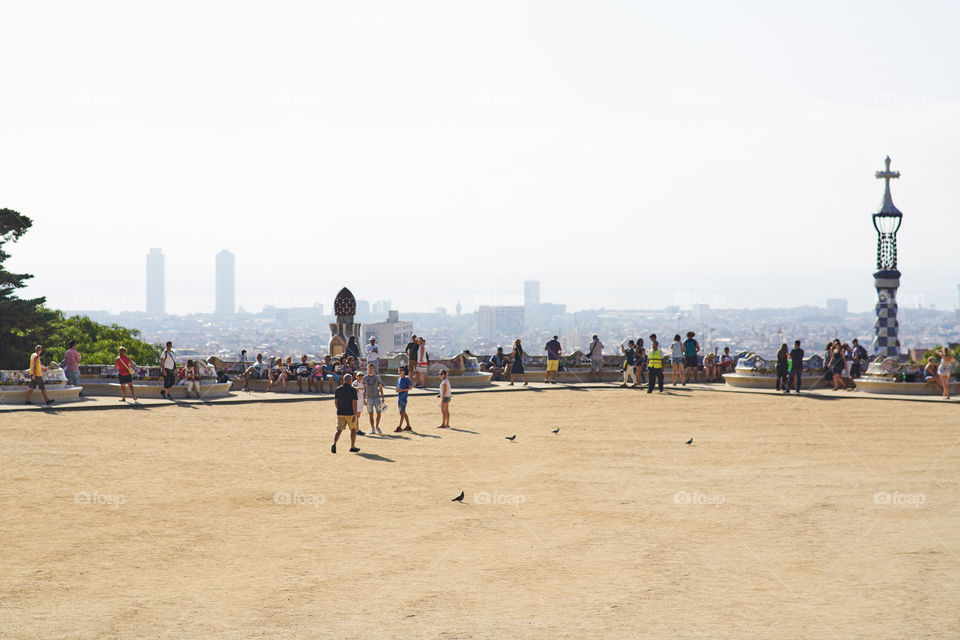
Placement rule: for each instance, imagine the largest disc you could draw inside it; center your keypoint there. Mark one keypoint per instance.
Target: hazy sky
(626, 154)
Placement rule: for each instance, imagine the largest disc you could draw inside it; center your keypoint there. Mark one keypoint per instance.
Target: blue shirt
(403, 386)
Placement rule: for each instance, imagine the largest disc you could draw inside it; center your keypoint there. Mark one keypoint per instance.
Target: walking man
(372, 394)
(554, 351)
(169, 364)
(412, 348)
(655, 367)
(36, 376)
(796, 367)
(346, 399)
(595, 353)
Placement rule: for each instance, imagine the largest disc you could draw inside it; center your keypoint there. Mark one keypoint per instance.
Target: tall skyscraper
(226, 284)
(507, 322)
(156, 297)
(531, 293)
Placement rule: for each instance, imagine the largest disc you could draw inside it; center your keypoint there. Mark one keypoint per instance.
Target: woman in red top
(125, 368)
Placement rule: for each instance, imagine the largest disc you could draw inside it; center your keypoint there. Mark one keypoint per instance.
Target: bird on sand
(557, 430)
(511, 438)
(459, 498)
(690, 441)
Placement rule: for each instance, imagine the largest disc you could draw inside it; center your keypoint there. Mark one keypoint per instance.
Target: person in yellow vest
(654, 367)
(36, 376)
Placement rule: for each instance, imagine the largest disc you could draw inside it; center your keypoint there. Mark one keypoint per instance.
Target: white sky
(626, 154)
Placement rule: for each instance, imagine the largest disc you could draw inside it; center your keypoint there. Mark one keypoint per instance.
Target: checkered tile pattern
(886, 341)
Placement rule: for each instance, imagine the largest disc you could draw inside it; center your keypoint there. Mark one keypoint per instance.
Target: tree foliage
(97, 343)
(24, 323)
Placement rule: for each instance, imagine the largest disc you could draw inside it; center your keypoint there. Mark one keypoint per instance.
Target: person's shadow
(373, 456)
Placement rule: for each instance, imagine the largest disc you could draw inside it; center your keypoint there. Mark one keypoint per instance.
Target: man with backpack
(169, 365)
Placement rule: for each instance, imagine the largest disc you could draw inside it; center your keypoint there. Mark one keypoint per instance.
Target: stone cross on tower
(886, 342)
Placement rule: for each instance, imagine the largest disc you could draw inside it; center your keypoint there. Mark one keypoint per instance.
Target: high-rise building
(531, 293)
(493, 322)
(226, 294)
(837, 307)
(381, 306)
(363, 308)
(156, 293)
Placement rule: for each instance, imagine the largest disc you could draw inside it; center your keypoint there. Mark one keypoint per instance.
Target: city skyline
(716, 177)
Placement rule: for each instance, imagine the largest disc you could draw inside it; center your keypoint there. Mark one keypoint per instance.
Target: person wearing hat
(373, 354)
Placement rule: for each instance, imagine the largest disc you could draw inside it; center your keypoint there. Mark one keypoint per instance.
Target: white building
(392, 335)
(493, 322)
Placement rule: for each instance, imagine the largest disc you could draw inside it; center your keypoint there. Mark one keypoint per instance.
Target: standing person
(346, 400)
(125, 369)
(641, 363)
(946, 363)
(373, 354)
(71, 364)
(352, 348)
(403, 390)
(423, 363)
(595, 353)
(796, 367)
(676, 360)
(445, 396)
(554, 351)
(372, 395)
(412, 348)
(629, 363)
(836, 364)
(36, 376)
(655, 367)
(517, 368)
(168, 363)
(690, 349)
(783, 369)
(859, 357)
(358, 385)
(192, 376)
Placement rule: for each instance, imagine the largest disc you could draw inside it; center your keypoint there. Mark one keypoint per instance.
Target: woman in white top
(358, 385)
(445, 396)
(946, 363)
(676, 360)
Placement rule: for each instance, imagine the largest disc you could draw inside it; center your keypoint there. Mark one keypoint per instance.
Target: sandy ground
(786, 518)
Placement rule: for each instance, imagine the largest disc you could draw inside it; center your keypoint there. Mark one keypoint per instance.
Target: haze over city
(431, 152)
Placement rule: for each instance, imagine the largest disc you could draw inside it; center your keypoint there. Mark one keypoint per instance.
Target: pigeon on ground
(511, 438)
(690, 441)
(557, 430)
(459, 498)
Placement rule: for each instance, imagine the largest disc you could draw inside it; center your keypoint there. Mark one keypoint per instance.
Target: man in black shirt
(346, 400)
(412, 348)
(859, 356)
(796, 367)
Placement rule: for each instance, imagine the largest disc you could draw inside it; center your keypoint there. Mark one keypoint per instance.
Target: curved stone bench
(17, 394)
(151, 389)
(878, 384)
(742, 380)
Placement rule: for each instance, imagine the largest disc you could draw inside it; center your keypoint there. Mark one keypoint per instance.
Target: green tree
(23, 323)
(97, 343)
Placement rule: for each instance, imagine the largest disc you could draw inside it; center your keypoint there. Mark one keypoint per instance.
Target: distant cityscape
(305, 330)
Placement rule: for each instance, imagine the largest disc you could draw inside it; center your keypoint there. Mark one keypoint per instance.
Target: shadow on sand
(373, 456)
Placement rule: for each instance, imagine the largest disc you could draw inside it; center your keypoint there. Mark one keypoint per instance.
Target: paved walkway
(94, 403)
